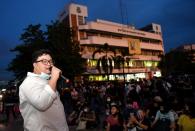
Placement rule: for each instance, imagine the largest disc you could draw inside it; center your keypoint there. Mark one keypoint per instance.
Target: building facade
(190, 48)
(140, 48)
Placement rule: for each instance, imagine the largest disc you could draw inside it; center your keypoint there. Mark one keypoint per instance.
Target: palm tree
(119, 62)
(105, 62)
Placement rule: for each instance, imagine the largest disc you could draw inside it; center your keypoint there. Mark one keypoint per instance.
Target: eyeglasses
(46, 62)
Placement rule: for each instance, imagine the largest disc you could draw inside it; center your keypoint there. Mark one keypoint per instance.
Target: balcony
(145, 58)
(97, 40)
(113, 28)
(152, 46)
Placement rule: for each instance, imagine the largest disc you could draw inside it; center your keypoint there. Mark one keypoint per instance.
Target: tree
(176, 61)
(119, 62)
(105, 62)
(65, 50)
(56, 38)
(33, 39)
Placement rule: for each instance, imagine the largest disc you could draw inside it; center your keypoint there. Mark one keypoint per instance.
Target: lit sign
(134, 46)
(128, 31)
(136, 70)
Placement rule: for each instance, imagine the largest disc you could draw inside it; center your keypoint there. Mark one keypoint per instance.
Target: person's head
(164, 107)
(86, 108)
(108, 99)
(42, 61)
(141, 114)
(157, 100)
(189, 108)
(114, 109)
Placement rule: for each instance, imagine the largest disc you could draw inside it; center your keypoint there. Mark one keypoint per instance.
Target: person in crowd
(153, 107)
(138, 122)
(186, 121)
(9, 105)
(164, 120)
(114, 120)
(74, 96)
(87, 116)
(40, 103)
(73, 116)
(129, 109)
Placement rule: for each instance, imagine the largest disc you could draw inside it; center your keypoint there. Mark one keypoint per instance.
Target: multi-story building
(190, 48)
(141, 47)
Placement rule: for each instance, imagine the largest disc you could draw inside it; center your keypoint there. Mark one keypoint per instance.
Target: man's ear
(34, 65)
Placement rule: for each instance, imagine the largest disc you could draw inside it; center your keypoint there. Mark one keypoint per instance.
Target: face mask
(44, 76)
(108, 99)
(85, 110)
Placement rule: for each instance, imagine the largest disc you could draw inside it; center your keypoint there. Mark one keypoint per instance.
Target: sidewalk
(17, 125)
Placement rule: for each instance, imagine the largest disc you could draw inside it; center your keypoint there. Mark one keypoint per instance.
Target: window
(156, 28)
(80, 20)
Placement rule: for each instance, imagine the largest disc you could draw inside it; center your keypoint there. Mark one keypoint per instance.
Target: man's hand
(55, 74)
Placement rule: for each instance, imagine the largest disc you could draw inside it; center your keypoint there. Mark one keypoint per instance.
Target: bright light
(3, 89)
(157, 74)
(1, 96)
(140, 75)
(111, 77)
(130, 76)
(148, 63)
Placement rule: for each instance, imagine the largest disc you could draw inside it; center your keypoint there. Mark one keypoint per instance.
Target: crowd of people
(9, 105)
(160, 104)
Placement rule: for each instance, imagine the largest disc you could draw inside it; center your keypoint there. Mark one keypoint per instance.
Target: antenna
(121, 11)
(124, 12)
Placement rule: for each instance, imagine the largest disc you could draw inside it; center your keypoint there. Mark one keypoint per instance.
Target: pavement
(17, 124)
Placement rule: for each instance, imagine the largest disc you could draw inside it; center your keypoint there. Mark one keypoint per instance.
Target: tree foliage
(56, 38)
(66, 52)
(104, 63)
(33, 39)
(176, 61)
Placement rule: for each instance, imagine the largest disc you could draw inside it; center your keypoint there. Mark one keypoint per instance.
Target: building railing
(119, 42)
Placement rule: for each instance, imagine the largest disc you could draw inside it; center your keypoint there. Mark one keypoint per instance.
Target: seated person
(114, 120)
(89, 116)
(138, 122)
(164, 120)
(186, 121)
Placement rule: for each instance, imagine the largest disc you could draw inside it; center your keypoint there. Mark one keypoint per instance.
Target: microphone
(64, 78)
(61, 76)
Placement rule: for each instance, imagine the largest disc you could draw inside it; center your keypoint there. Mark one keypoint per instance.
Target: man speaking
(40, 103)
